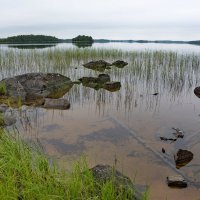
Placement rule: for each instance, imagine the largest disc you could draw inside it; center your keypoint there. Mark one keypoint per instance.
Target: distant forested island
(30, 39)
(81, 40)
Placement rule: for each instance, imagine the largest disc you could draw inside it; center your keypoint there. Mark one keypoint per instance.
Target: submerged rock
(61, 104)
(112, 86)
(197, 91)
(119, 63)
(34, 87)
(182, 158)
(99, 65)
(176, 181)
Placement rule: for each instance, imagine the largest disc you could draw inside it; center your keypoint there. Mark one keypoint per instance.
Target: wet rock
(155, 94)
(182, 158)
(197, 91)
(176, 181)
(34, 99)
(168, 139)
(35, 85)
(61, 104)
(119, 63)
(99, 65)
(92, 82)
(95, 82)
(163, 150)
(103, 78)
(178, 133)
(112, 86)
(3, 108)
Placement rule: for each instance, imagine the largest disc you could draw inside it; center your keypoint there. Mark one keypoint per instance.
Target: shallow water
(122, 127)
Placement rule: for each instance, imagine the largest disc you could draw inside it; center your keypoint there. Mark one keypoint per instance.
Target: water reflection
(32, 46)
(82, 44)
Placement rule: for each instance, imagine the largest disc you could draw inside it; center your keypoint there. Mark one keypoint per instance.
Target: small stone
(163, 150)
(9, 120)
(176, 181)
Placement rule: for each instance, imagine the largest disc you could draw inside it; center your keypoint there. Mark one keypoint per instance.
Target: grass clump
(27, 174)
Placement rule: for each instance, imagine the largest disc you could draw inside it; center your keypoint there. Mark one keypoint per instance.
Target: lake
(124, 127)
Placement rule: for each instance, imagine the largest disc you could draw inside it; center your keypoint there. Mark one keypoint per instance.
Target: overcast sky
(112, 19)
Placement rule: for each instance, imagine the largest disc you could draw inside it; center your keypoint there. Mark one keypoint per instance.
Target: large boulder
(32, 88)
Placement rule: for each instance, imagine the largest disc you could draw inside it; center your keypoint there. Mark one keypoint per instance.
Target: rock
(34, 99)
(182, 158)
(176, 181)
(99, 65)
(7, 120)
(112, 86)
(3, 108)
(119, 63)
(95, 82)
(103, 173)
(197, 91)
(163, 150)
(155, 94)
(103, 78)
(61, 104)
(36, 86)
(92, 82)
(178, 133)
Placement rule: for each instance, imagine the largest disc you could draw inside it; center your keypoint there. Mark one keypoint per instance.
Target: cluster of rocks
(181, 158)
(101, 65)
(34, 88)
(102, 81)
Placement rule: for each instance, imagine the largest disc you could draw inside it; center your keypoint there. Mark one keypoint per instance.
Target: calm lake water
(122, 127)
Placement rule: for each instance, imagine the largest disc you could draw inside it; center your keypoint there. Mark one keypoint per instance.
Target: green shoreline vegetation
(26, 173)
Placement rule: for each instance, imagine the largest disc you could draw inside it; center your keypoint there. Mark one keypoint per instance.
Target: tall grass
(28, 174)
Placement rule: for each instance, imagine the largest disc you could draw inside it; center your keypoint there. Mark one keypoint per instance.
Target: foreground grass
(27, 174)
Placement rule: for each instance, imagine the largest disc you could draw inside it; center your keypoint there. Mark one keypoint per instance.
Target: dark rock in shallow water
(103, 78)
(95, 82)
(27, 87)
(99, 65)
(61, 104)
(182, 158)
(102, 81)
(176, 181)
(112, 86)
(197, 91)
(119, 63)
